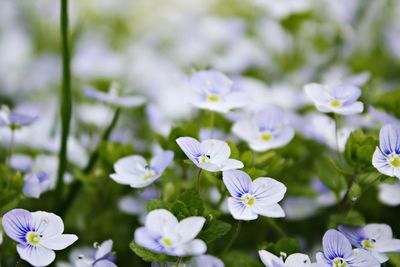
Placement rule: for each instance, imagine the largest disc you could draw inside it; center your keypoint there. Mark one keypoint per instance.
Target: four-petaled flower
(386, 158)
(252, 198)
(267, 129)
(14, 120)
(339, 253)
(376, 238)
(163, 234)
(113, 97)
(136, 172)
(341, 99)
(213, 91)
(211, 155)
(39, 233)
(293, 260)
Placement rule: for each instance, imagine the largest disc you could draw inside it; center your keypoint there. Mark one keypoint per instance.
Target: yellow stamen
(213, 98)
(395, 161)
(33, 238)
(335, 103)
(266, 137)
(166, 242)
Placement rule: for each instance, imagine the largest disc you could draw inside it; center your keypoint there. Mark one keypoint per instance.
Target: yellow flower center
(335, 103)
(266, 137)
(166, 242)
(148, 174)
(248, 200)
(367, 244)
(33, 238)
(339, 262)
(395, 161)
(213, 98)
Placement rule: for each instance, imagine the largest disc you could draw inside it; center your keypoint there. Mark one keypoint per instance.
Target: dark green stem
(65, 99)
(274, 225)
(233, 238)
(77, 185)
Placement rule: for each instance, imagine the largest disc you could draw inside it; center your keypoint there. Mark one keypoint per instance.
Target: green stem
(77, 185)
(178, 262)
(65, 98)
(336, 118)
(198, 180)
(274, 225)
(234, 237)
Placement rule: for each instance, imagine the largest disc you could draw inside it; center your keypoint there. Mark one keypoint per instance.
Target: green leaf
(247, 158)
(287, 245)
(240, 259)
(191, 198)
(214, 230)
(154, 204)
(147, 255)
(352, 218)
(234, 149)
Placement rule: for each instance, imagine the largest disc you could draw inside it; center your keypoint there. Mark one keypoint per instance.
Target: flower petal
(58, 242)
(36, 255)
(267, 190)
(297, 260)
(389, 139)
(237, 182)
(189, 228)
(240, 211)
(48, 224)
(354, 108)
(390, 194)
(161, 161)
(16, 223)
(381, 163)
(190, 146)
(317, 93)
(160, 221)
(193, 248)
(144, 238)
(104, 263)
(231, 164)
(378, 231)
(270, 259)
(363, 258)
(217, 150)
(335, 244)
(269, 210)
(130, 166)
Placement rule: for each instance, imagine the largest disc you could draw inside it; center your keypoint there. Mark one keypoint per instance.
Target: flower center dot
(248, 200)
(213, 98)
(395, 161)
(33, 238)
(148, 174)
(166, 242)
(367, 244)
(266, 137)
(339, 262)
(335, 103)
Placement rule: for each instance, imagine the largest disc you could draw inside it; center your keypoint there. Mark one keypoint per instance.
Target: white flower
(267, 129)
(386, 158)
(252, 198)
(136, 172)
(341, 99)
(163, 234)
(213, 91)
(389, 194)
(294, 260)
(38, 234)
(211, 155)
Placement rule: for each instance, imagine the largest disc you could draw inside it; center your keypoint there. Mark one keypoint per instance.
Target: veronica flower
(341, 99)
(389, 194)
(38, 234)
(267, 129)
(339, 253)
(36, 184)
(252, 198)
(376, 238)
(213, 91)
(294, 260)
(164, 234)
(21, 162)
(211, 155)
(137, 172)
(14, 120)
(382, 116)
(113, 97)
(386, 157)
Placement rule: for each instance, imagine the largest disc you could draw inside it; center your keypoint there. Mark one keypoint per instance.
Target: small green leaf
(214, 230)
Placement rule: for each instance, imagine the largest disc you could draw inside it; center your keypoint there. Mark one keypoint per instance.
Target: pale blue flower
(211, 155)
(213, 91)
(38, 234)
(21, 162)
(386, 158)
(382, 117)
(341, 99)
(375, 238)
(164, 234)
(252, 198)
(293, 260)
(36, 184)
(339, 253)
(267, 129)
(13, 119)
(137, 172)
(113, 97)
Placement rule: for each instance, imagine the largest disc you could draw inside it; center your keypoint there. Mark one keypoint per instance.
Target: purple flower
(341, 99)
(14, 120)
(211, 155)
(113, 97)
(386, 157)
(339, 253)
(376, 238)
(38, 234)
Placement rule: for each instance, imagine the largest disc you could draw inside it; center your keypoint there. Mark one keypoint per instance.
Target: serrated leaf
(214, 230)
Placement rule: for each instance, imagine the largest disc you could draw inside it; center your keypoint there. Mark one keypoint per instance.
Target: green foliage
(213, 230)
(351, 218)
(240, 259)
(359, 149)
(149, 256)
(286, 245)
(390, 102)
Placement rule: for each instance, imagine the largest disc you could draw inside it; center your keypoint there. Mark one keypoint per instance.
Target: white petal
(390, 194)
(236, 100)
(381, 163)
(297, 260)
(104, 248)
(231, 164)
(388, 245)
(48, 224)
(218, 150)
(389, 139)
(104, 263)
(121, 179)
(161, 161)
(36, 255)
(130, 166)
(378, 231)
(58, 242)
(317, 93)
(267, 190)
(240, 211)
(269, 210)
(195, 247)
(245, 129)
(269, 259)
(189, 228)
(190, 146)
(356, 107)
(237, 182)
(160, 222)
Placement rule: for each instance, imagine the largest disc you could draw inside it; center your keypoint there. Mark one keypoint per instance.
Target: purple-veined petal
(217, 150)
(104, 248)
(335, 244)
(240, 211)
(363, 258)
(144, 238)
(36, 255)
(104, 263)
(381, 163)
(237, 182)
(389, 139)
(47, 224)
(16, 223)
(270, 259)
(190, 146)
(267, 190)
(353, 234)
(268, 210)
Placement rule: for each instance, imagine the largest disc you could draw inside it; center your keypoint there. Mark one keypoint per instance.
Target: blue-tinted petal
(190, 146)
(161, 161)
(16, 223)
(354, 234)
(237, 182)
(335, 244)
(389, 139)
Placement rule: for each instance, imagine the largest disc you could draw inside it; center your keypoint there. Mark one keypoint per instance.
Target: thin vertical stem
(198, 180)
(274, 225)
(65, 98)
(234, 237)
